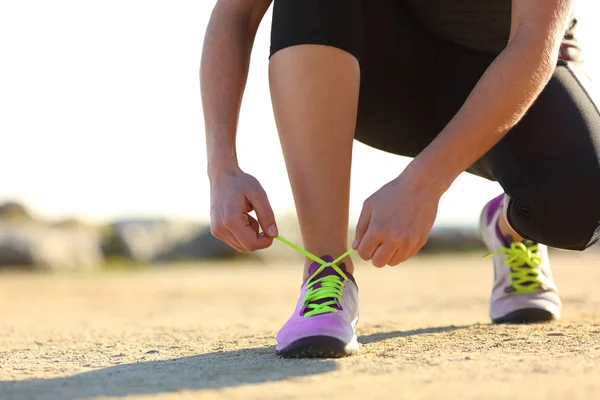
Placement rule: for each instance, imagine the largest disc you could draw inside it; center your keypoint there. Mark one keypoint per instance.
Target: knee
(564, 216)
(336, 23)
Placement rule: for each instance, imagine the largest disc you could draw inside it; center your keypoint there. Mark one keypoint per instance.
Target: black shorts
(413, 81)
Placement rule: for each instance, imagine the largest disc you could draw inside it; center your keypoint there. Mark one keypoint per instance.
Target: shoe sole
(526, 316)
(319, 347)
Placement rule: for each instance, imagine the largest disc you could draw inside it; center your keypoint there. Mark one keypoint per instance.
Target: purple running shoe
(325, 316)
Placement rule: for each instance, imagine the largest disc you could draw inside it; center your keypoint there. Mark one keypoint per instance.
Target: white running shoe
(524, 290)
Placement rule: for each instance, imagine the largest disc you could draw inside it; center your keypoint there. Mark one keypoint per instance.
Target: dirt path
(209, 333)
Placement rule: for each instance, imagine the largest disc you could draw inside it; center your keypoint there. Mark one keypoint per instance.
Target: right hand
(233, 196)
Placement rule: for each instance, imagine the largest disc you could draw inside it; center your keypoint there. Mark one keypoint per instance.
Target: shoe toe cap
(332, 325)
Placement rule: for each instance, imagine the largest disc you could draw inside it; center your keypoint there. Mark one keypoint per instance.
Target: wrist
(221, 163)
(433, 177)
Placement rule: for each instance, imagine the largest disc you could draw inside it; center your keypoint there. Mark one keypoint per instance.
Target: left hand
(395, 221)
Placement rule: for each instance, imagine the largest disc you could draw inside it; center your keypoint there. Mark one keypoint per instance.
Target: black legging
(413, 83)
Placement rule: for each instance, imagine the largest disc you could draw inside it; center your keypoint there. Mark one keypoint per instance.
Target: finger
(418, 246)
(233, 228)
(401, 257)
(236, 245)
(263, 241)
(404, 253)
(362, 226)
(253, 223)
(248, 236)
(228, 239)
(260, 203)
(383, 254)
(396, 258)
(368, 245)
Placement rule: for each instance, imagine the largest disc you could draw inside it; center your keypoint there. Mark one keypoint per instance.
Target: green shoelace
(524, 262)
(331, 286)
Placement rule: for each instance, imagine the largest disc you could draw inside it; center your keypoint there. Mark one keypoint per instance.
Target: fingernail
(354, 244)
(272, 231)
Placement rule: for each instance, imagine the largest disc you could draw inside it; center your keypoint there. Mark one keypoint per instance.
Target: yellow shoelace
(524, 262)
(331, 285)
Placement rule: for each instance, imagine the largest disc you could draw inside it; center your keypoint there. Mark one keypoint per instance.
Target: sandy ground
(208, 332)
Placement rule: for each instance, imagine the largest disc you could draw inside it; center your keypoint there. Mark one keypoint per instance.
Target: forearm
(223, 73)
(496, 104)
(499, 100)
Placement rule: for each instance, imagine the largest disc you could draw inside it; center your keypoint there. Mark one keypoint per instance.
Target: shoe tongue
(326, 271)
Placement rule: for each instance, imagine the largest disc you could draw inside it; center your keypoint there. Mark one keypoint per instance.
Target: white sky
(100, 114)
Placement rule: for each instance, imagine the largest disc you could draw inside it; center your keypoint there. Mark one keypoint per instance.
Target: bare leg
(315, 99)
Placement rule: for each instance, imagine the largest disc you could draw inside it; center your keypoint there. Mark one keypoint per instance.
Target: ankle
(505, 229)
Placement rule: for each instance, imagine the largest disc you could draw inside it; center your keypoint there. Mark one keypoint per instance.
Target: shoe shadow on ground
(379, 337)
(206, 371)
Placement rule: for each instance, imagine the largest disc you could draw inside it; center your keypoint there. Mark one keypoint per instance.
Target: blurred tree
(14, 211)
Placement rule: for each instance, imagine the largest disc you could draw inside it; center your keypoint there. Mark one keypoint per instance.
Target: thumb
(361, 227)
(266, 218)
